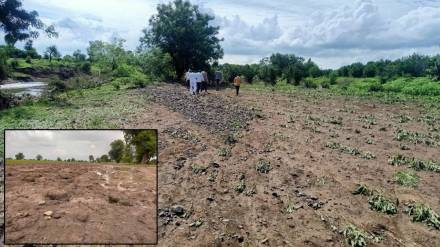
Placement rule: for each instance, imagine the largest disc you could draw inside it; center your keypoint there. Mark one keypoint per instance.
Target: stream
(33, 88)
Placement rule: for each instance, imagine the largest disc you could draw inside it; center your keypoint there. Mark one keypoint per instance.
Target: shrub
(86, 67)
(28, 60)
(308, 83)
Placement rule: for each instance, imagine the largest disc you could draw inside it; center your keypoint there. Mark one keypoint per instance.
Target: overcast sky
(78, 144)
(332, 32)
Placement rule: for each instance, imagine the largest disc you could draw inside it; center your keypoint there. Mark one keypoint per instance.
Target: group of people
(198, 81)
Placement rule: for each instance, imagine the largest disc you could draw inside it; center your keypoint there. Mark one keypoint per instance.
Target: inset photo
(81, 186)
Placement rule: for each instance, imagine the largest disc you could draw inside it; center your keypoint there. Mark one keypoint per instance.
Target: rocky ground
(80, 203)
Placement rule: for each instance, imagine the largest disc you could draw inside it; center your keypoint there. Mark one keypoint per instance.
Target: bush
(309, 83)
(28, 60)
(116, 85)
(86, 67)
(124, 70)
(57, 86)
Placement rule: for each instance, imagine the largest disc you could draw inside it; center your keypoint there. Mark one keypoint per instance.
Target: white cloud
(334, 31)
(78, 144)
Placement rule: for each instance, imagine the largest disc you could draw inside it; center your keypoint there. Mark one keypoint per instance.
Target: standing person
(218, 79)
(188, 82)
(192, 82)
(237, 82)
(205, 81)
(199, 77)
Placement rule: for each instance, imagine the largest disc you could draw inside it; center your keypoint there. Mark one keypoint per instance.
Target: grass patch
(100, 107)
(407, 178)
(423, 213)
(354, 236)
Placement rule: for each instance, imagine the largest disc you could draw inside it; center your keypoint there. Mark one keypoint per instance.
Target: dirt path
(207, 199)
(80, 203)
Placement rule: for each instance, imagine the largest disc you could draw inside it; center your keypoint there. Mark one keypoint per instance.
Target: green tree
(116, 150)
(39, 157)
(181, 30)
(52, 52)
(79, 56)
(356, 70)
(4, 69)
(104, 158)
(143, 142)
(30, 50)
(19, 24)
(157, 64)
(91, 158)
(59, 159)
(19, 156)
(370, 69)
(107, 56)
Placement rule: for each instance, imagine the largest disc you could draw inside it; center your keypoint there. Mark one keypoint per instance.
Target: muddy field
(80, 203)
(273, 169)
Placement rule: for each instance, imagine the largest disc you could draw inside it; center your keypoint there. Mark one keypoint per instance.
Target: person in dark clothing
(218, 79)
(205, 81)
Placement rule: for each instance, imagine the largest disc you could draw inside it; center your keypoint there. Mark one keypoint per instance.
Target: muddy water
(34, 88)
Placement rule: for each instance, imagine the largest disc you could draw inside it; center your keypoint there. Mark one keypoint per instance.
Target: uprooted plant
(350, 150)
(423, 213)
(414, 163)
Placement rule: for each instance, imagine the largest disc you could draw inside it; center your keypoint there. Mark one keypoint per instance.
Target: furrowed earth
(80, 203)
(280, 169)
(212, 144)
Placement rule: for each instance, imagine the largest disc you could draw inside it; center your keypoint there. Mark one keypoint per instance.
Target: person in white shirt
(193, 82)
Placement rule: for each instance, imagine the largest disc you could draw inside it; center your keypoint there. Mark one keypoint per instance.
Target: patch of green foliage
(382, 204)
(354, 236)
(416, 164)
(406, 178)
(423, 213)
(350, 150)
(263, 166)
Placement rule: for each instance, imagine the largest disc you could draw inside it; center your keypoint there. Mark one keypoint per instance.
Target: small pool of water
(34, 88)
